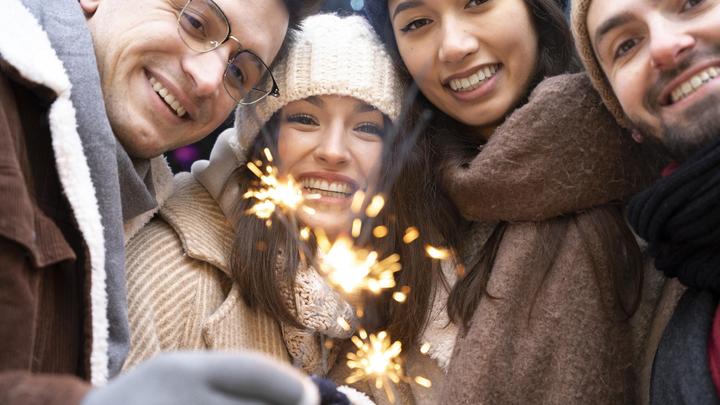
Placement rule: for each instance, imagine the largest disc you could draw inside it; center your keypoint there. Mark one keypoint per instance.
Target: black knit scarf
(679, 216)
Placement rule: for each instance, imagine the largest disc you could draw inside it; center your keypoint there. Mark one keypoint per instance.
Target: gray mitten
(208, 378)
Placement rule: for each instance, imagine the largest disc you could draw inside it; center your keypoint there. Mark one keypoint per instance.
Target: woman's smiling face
(472, 59)
(332, 145)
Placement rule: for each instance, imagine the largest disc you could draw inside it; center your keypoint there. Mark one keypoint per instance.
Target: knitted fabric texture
(592, 65)
(332, 55)
(317, 307)
(680, 218)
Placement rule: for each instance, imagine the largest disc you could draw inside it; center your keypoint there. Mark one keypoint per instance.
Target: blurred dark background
(181, 159)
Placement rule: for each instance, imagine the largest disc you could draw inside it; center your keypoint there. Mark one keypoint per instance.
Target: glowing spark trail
(437, 253)
(273, 193)
(351, 268)
(376, 359)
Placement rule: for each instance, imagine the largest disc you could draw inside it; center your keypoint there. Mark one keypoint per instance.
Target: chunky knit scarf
(679, 216)
(317, 307)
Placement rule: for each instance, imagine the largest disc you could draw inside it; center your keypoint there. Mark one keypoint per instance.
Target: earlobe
(89, 7)
(637, 136)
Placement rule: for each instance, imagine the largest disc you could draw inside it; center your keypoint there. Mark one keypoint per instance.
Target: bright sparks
(380, 231)
(351, 268)
(399, 296)
(411, 234)
(376, 205)
(356, 227)
(357, 202)
(273, 193)
(437, 253)
(376, 359)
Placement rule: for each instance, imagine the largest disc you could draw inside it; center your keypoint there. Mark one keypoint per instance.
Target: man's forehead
(259, 25)
(604, 12)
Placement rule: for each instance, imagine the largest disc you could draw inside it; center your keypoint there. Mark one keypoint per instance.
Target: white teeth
(690, 86)
(167, 97)
(323, 187)
(473, 81)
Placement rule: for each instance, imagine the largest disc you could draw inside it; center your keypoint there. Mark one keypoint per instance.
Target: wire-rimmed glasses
(203, 27)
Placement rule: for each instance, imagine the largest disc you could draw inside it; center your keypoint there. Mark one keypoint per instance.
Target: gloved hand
(208, 378)
(329, 394)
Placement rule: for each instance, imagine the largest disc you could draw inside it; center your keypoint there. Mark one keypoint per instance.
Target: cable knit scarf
(317, 307)
(679, 216)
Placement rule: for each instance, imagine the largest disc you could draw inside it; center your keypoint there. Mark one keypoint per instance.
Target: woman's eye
(625, 47)
(475, 3)
(304, 119)
(688, 5)
(370, 128)
(415, 24)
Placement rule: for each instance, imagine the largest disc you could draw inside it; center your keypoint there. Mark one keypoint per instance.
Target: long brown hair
(443, 142)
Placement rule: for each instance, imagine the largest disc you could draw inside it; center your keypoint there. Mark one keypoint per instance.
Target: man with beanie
(656, 64)
(91, 94)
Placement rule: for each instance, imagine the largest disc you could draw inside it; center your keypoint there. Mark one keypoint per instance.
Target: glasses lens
(203, 26)
(247, 79)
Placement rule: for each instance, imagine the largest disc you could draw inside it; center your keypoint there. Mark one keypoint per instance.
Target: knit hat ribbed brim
(592, 65)
(331, 55)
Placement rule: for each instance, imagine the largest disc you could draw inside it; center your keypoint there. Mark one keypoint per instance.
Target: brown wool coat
(553, 334)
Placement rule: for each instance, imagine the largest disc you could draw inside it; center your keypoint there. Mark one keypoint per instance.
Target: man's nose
(206, 71)
(669, 43)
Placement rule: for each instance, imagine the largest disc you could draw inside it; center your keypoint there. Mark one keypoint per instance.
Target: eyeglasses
(203, 27)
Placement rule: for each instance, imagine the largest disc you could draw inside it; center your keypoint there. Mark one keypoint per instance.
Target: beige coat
(180, 295)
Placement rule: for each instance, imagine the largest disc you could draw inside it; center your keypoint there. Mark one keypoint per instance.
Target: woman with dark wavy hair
(523, 176)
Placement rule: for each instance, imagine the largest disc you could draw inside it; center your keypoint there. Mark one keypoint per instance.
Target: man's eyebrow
(405, 5)
(609, 25)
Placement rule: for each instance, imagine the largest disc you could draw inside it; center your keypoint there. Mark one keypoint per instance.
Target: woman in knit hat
(551, 303)
(207, 275)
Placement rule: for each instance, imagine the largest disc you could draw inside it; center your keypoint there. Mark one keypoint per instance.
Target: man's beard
(698, 126)
(688, 130)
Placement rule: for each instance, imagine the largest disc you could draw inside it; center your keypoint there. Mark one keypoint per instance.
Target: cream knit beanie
(592, 65)
(332, 55)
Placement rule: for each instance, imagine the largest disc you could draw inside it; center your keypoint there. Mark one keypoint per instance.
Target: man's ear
(637, 136)
(89, 7)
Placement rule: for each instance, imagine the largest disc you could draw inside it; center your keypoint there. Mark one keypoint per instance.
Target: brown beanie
(592, 65)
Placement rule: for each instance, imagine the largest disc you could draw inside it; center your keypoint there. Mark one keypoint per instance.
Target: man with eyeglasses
(92, 93)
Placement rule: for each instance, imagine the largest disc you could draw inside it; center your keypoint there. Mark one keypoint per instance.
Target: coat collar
(560, 153)
(205, 233)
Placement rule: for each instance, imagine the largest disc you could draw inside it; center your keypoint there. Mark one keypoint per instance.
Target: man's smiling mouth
(168, 98)
(691, 85)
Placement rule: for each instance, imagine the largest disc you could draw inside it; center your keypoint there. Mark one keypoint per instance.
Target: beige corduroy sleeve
(162, 287)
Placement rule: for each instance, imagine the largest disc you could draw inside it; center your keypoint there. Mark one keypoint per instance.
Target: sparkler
(350, 268)
(273, 193)
(376, 359)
